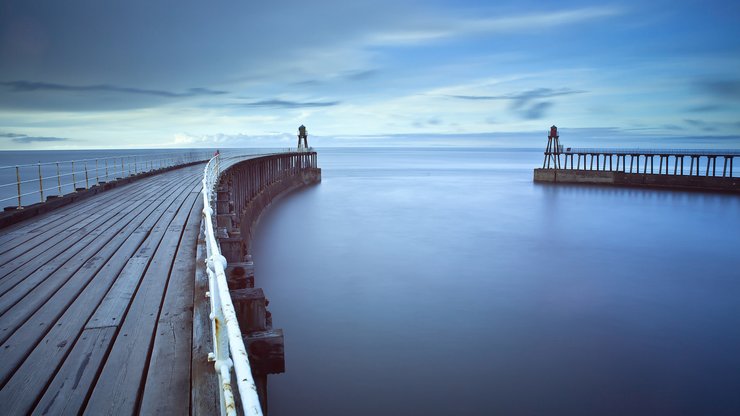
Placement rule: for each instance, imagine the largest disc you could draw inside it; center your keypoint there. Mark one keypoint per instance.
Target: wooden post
(266, 351)
(251, 309)
(240, 275)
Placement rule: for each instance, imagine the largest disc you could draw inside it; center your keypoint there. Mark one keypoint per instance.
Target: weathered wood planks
(93, 292)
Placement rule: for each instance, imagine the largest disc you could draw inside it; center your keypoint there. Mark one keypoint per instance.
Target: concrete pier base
(700, 183)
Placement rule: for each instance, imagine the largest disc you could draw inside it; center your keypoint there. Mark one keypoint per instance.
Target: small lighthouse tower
(552, 152)
(302, 138)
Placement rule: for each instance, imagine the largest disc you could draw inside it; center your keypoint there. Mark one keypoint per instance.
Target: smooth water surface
(438, 282)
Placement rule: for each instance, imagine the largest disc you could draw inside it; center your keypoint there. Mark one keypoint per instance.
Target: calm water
(439, 282)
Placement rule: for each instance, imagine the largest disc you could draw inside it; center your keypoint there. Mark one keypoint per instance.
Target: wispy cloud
(360, 75)
(433, 121)
(728, 89)
(707, 108)
(701, 124)
(428, 30)
(528, 104)
(521, 98)
(30, 86)
(276, 103)
(24, 139)
(537, 110)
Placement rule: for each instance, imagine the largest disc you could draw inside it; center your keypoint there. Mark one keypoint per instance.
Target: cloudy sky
(101, 74)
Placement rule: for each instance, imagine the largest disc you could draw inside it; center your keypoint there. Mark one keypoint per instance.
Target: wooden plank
(65, 222)
(19, 233)
(91, 258)
(204, 382)
(38, 254)
(50, 253)
(28, 381)
(117, 390)
(67, 392)
(25, 386)
(69, 257)
(167, 387)
(41, 364)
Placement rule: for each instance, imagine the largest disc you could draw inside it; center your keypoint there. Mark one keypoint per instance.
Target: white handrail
(222, 312)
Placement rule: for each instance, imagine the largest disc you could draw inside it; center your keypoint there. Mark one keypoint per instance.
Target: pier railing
(638, 151)
(229, 348)
(702, 162)
(26, 184)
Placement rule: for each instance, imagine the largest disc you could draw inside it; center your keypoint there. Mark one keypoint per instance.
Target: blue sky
(122, 74)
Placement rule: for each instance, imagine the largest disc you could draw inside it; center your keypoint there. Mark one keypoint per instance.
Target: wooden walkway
(96, 302)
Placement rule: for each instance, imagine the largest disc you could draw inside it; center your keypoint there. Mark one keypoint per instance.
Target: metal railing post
(59, 180)
(87, 181)
(41, 184)
(74, 180)
(106, 170)
(123, 171)
(18, 181)
(97, 176)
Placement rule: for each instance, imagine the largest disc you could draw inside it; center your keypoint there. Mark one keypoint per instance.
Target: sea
(443, 281)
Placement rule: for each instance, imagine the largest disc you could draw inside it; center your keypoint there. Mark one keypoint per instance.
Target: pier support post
(251, 309)
(709, 162)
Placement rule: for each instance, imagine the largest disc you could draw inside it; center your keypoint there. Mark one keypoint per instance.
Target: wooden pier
(676, 168)
(102, 301)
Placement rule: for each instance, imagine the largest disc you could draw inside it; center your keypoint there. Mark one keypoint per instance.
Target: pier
(676, 168)
(141, 299)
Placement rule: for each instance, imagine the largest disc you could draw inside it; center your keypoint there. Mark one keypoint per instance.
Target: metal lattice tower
(553, 150)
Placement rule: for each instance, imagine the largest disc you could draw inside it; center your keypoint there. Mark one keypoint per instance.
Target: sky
(137, 74)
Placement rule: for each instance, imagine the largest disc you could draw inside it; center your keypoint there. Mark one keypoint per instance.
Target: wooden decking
(96, 302)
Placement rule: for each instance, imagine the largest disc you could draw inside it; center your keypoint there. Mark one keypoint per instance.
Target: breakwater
(244, 190)
(676, 168)
(709, 183)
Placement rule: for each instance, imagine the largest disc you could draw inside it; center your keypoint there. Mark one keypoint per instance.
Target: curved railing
(228, 345)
